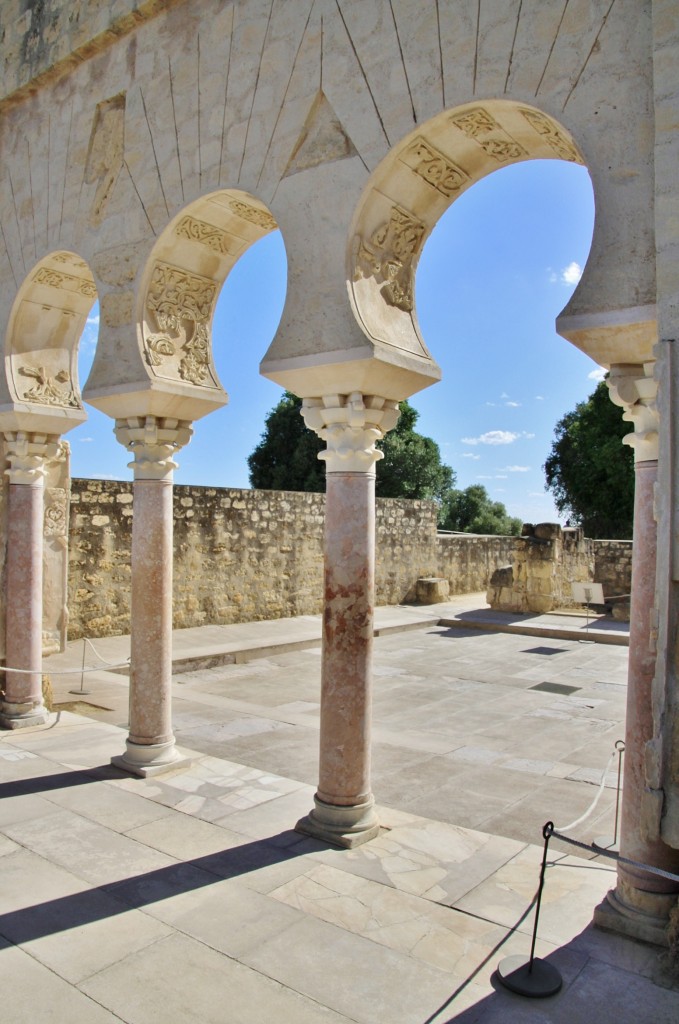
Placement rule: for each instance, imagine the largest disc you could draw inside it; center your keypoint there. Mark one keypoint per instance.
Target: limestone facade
(147, 143)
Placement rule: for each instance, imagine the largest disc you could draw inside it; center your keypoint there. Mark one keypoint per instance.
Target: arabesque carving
(434, 168)
(55, 512)
(57, 390)
(388, 257)
(259, 217)
(180, 304)
(67, 257)
(205, 234)
(552, 136)
(66, 282)
(481, 126)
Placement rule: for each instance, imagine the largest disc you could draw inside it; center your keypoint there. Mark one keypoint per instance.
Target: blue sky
(497, 270)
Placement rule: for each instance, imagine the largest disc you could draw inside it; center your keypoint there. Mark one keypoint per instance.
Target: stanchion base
(607, 843)
(80, 693)
(536, 980)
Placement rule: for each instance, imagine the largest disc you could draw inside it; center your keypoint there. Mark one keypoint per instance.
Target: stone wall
(613, 566)
(548, 559)
(244, 555)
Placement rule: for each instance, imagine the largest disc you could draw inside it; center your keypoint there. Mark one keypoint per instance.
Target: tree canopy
(472, 511)
(590, 472)
(286, 459)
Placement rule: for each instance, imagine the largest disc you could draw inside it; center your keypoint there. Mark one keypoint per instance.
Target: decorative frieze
(56, 509)
(208, 235)
(388, 257)
(66, 282)
(350, 425)
(434, 168)
(179, 304)
(261, 218)
(481, 126)
(48, 390)
(544, 126)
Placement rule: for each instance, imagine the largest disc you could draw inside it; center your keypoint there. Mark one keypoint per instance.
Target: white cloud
(492, 404)
(500, 476)
(484, 476)
(93, 321)
(513, 405)
(568, 275)
(539, 398)
(504, 395)
(572, 273)
(527, 435)
(598, 374)
(537, 494)
(499, 490)
(493, 437)
(470, 455)
(517, 469)
(83, 439)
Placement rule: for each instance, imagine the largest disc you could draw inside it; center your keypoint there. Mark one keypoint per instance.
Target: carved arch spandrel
(41, 345)
(411, 189)
(182, 281)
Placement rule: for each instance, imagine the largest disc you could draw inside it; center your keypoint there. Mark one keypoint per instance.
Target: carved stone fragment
(259, 217)
(66, 282)
(205, 234)
(481, 126)
(388, 257)
(57, 390)
(434, 168)
(180, 304)
(552, 136)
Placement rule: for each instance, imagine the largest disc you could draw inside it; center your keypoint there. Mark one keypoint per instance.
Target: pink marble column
(641, 902)
(22, 704)
(150, 746)
(343, 812)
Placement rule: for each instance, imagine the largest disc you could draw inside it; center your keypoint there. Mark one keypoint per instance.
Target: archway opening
(498, 268)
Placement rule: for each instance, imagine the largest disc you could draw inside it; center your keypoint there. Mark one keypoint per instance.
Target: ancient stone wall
(613, 566)
(243, 555)
(468, 561)
(547, 560)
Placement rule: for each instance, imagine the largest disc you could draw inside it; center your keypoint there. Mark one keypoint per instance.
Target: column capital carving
(632, 387)
(28, 454)
(153, 440)
(350, 425)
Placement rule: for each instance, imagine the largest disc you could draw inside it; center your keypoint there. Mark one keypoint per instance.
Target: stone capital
(632, 387)
(28, 455)
(153, 441)
(350, 425)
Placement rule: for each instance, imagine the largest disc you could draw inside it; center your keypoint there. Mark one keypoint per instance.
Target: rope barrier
(595, 801)
(612, 855)
(69, 671)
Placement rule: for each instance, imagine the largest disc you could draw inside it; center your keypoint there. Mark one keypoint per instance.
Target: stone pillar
(28, 454)
(343, 812)
(153, 442)
(640, 904)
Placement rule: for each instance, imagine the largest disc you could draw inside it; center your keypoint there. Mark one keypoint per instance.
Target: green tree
(286, 458)
(590, 472)
(472, 511)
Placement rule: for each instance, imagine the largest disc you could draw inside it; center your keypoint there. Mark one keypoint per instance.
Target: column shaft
(151, 608)
(22, 705)
(642, 900)
(344, 777)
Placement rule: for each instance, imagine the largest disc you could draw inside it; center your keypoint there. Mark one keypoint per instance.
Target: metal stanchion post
(532, 977)
(605, 842)
(82, 672)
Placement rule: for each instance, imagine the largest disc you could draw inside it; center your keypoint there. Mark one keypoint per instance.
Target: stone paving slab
(157, 914)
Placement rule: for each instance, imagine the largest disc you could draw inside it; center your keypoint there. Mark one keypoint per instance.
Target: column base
(647, 922)
(150, 759)
(346, 827)
(22, 716)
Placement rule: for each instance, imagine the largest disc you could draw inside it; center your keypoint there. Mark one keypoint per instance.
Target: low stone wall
(243, 555)
(548, 559)
(468, 561)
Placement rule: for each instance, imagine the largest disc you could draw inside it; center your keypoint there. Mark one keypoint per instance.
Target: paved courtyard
(188, 897)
